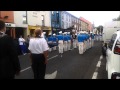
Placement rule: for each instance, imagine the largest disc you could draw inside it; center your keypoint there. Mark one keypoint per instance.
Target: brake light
(117, 47)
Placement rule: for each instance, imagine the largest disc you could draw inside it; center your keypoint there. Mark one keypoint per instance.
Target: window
(57, 16)
(66, 18)
(66, 25)
(53, 24)
(62, 24)
(43, 21)
(24, 20)
(25, 17)
(110, 44)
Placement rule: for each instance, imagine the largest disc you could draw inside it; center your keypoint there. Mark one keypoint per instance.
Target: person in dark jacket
(9, 62)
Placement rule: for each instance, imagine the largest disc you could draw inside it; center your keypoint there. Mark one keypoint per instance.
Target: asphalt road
(71, 66)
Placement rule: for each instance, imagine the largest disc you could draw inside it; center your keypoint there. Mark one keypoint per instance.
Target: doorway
(19, 31)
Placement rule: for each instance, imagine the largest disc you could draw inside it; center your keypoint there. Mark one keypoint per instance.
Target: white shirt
(38, 45)
(21, 41)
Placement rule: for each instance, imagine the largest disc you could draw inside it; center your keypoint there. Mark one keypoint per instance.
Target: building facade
(39, 19)
(56, 21)
(69, 21)
(46, 21)
(8, 18)
(66, 20)
(20, 19)
(84, 24)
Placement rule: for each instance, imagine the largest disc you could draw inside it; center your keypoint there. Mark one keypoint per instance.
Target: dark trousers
(23, 48)
(38, 66)
(27, 45)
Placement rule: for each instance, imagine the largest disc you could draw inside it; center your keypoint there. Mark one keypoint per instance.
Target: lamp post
(52, 21)
(75, 27)
(57, 18)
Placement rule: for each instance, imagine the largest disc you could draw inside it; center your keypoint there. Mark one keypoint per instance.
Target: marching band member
(92, 40)
(50, 40)
(80, 43)
(65, 41)
(54, 41)
(69, 41)
(60, 43)
(74, 40)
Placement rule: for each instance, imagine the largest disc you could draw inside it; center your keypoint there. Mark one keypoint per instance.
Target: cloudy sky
(98, 17)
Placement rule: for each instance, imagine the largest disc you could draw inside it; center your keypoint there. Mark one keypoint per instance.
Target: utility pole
(52, 21)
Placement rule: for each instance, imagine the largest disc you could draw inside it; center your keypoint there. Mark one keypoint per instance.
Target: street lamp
(52, 21)
(57, 19)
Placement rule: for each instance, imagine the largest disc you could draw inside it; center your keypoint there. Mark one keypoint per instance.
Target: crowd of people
(38, 47)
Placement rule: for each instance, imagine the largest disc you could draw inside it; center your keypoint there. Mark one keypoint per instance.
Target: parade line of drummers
(83, 40)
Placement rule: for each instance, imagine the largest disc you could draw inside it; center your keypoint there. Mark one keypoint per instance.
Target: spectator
(9, 62)
(27, 42)
(22, 45)
(38, 52)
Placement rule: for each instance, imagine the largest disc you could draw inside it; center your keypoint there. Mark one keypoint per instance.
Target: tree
(100, 29)
(117, 19)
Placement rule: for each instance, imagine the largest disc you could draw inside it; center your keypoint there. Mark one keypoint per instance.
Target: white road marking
(30, 66)
(98, 64)
(52, 57)
(101, 57)
(51, 76)
(25, 69)
(95, 75)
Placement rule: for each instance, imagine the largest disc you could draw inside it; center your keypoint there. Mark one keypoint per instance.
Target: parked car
(113, 56)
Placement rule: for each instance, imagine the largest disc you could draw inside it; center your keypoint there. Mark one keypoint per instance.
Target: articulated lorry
(108, 29)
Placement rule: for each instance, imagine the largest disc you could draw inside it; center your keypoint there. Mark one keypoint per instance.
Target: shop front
(10, 30)
(32, 29)
(47, 30)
